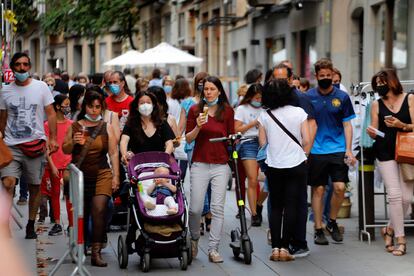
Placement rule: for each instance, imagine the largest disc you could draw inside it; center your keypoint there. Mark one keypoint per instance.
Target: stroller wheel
(184, 260)
(145, 262)
(122, 252)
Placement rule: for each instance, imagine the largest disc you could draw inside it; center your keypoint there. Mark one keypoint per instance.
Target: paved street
(350, 258)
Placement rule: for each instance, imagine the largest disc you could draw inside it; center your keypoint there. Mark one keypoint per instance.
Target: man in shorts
(23, 105)
(332, 145)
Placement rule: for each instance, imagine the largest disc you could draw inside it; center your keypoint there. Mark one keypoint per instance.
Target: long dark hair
(134, 119)
(388, 76)
(161, 99)
(181, 90)
(90, 97)
(222, 98)
(277, 93)
(75, 92)
(253, 90)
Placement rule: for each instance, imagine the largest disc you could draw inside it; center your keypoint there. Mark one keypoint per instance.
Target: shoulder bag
(284, 128)
(404, 154)
(84, 151)
(5, 155)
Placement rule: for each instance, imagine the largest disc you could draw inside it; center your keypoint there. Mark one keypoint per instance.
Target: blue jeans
(23, 189)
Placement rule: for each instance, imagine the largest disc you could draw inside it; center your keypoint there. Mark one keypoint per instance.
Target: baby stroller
(152, 233)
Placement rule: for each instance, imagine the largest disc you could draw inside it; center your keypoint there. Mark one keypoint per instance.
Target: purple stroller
(151, 243)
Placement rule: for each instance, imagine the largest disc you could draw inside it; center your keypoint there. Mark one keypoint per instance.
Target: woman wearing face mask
(99, 179)
(246, 122)
(145, 129)
(57, 162)
(211, 118)
(393, 112)
(51, 85)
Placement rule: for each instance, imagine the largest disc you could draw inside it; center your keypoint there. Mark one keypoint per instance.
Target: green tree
(91, 18)
(26, 15)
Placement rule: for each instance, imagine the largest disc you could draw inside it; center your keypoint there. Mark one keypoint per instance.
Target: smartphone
(387, 117)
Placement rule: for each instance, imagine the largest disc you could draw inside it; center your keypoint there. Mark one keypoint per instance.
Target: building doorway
(357, 41)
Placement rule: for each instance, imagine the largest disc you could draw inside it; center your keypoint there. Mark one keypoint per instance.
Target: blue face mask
(168, 89)
(50, 88)
(212, 103)
(115, 89)
(89, 118)
(21, 77)
(337, 85)
(256, 103)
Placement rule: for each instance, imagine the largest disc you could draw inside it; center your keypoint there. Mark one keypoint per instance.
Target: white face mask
(145, 109)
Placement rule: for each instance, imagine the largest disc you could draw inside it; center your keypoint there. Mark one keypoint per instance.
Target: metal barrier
(76, 242)
(361, 92)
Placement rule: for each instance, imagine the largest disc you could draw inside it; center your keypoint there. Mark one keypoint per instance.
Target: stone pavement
(350, 258)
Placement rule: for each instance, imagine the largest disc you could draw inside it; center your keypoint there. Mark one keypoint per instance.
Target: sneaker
(30, 232)
(194, 248)
(22, 201)
(320, 238)
(214, 257)
(56, 230)
(256, 221)
(300, 252)
(333, 230)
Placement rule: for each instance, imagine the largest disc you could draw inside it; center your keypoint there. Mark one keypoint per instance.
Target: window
(399, 51)
(276, 51)
(102, 55)
(181, 25)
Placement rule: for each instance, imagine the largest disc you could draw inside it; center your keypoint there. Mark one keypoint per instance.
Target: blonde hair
(49, 79)
(242, 90)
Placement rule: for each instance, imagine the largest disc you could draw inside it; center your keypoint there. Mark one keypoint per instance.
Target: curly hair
(134, 121)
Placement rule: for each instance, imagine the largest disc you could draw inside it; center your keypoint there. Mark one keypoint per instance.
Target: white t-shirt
(246, 113)
(174, 109)
(25, 107)
(282, 151)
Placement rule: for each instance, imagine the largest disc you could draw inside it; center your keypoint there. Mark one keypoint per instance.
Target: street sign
(8, 75)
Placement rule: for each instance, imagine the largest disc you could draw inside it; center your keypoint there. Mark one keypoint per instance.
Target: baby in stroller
(161, 191)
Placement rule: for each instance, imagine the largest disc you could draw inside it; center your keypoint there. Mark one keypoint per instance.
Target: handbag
(33, 148)
(85, 149)
(5, 155)
(404, 147)
(407, 171)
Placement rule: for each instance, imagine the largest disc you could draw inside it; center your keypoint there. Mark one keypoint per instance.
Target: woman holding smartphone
(393, 112)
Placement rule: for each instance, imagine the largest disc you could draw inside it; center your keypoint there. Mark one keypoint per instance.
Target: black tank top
(385, 147)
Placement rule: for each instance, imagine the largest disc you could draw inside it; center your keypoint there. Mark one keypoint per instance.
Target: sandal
(389, 244)
(400, 250)
(285, 256)
(275, 255)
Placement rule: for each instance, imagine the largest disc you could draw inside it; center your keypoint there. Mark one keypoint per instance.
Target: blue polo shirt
(330, 112)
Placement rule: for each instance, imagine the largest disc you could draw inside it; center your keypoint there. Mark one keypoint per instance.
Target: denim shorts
(248, 150)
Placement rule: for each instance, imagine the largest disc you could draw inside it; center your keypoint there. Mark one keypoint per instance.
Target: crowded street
(204, 137)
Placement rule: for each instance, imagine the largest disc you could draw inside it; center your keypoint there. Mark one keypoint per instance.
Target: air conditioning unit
(262, 3)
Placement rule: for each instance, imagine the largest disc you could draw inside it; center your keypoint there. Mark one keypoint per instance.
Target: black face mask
(382, 90)
(324, 83)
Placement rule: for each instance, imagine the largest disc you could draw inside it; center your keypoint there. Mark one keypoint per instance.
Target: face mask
(382, 90)
(324, 83)
(337, 85)
(21, 77)
(65, 110)
(168, 89)
(212, 103)
(256, 103)
(200, 88)
(115, 89)
(50, 88)
(145, 109)
(80, 101)
(90, 119)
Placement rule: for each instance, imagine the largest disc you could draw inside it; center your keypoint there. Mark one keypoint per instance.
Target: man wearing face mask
(337, 79)
(23, 105)
(332, 146)
(120, 99)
